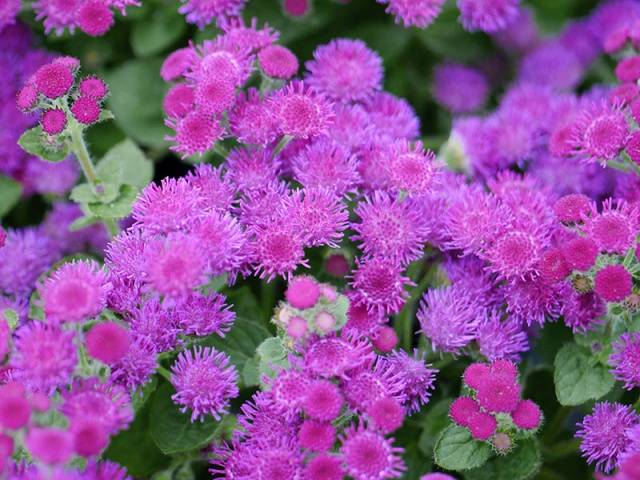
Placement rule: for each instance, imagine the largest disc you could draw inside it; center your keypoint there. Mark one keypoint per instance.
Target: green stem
(556, 425)
(164, 372)
(221, 150)
(284, 141)
(82, 154)
(112, 226)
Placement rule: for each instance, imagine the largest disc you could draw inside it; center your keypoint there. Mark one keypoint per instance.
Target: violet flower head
(277, 249)
(205, 381)
(45, 356)
(176, 265)
(251, 168)
(194, 134)
(448, 318)
(390, 228)
(411, 168)
(487, 15)
(250, 119)
(138, 365)
(156, 323)
(106, 403)
(414, 13)
(600, 132)
(603, 434)
(501, 339)
(367, 455)
(167, 207)
(26, 254)
(583, 311)
(203, 315)
(417, 377)
(459, 88)
(203, 12)
(9, 10)
(345, 70)
(625, 360)
(76, 291)
(378, 284)
(552, 65)
(300, 111)
(215, 190)
(319, 214)
(335, 356)
(327, 164)
(614, 228)
(533, 300)
(392, 116)
(516, 253)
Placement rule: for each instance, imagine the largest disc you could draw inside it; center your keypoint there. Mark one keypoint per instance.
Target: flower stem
(284, 141)
(79, 147)
(164, 372)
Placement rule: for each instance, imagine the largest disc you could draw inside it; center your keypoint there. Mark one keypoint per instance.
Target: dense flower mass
(297, 274)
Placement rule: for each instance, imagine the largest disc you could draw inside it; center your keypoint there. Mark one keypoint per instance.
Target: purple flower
(319, 214)
(414, 13)
(138, 365)
(109, 404)
(553, 65)
(251, 168)
(448, 318)
(368, 455)
(335, 356)
(345, 70)
(251, 121)
(26, 254)
(300, 111)
(501, 339)
(327, 164)
(390, 228)
(44, 357)
(203, 12)
(153, 321)
(600, 131)
(582, 311)
(216, 192)
(417, 377)
(625, 359)
(533, 300)
(8, 12)
(459, 88)
(75, 292)
(204, 382)
(392, 116)
(411, 168)
(378, 284)
(603, 434)
(487, 15)
(203, 315)
(167, 207)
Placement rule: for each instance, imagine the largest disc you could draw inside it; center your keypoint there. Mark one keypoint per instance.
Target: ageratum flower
(205, 382)
(603, 434)
(345, 70)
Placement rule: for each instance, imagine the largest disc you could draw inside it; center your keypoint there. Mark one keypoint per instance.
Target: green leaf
(125, 163)
(158, 32)
(118, 208)
(520, 464)
(142, 394)
(10, 192)
(272, 354)
(436, 420)
(83, 222)
(241, 342)
(172, 430)
(35, 142)
(577, 378)
(135, 449)
(11, 316)
(456, 450)
(136, 100)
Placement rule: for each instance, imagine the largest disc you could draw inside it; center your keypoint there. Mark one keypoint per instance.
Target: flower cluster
(93, 17)
(494, 409)
(328, 406)
(34, 174)
(63, 102)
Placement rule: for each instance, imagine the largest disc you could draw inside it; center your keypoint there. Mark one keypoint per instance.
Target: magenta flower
(204, 382)
(390, 228)
(448, 318)
(137, 366)
(603, 434)
(203, 315)
(417, 377)
(368, 455)
(378, 284)
(335, 356)
(411, 168)
(203, 12)
(75, 292)
(278, 62)
(251, 168)
(196, 133)
(44, 357)
(498, 339)
(459, 88)
(414, 13)
(300, 111)
(625, 360)
(487, 15)
(250, 119)
(614, 228)
(393, 116)
(345, 70)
